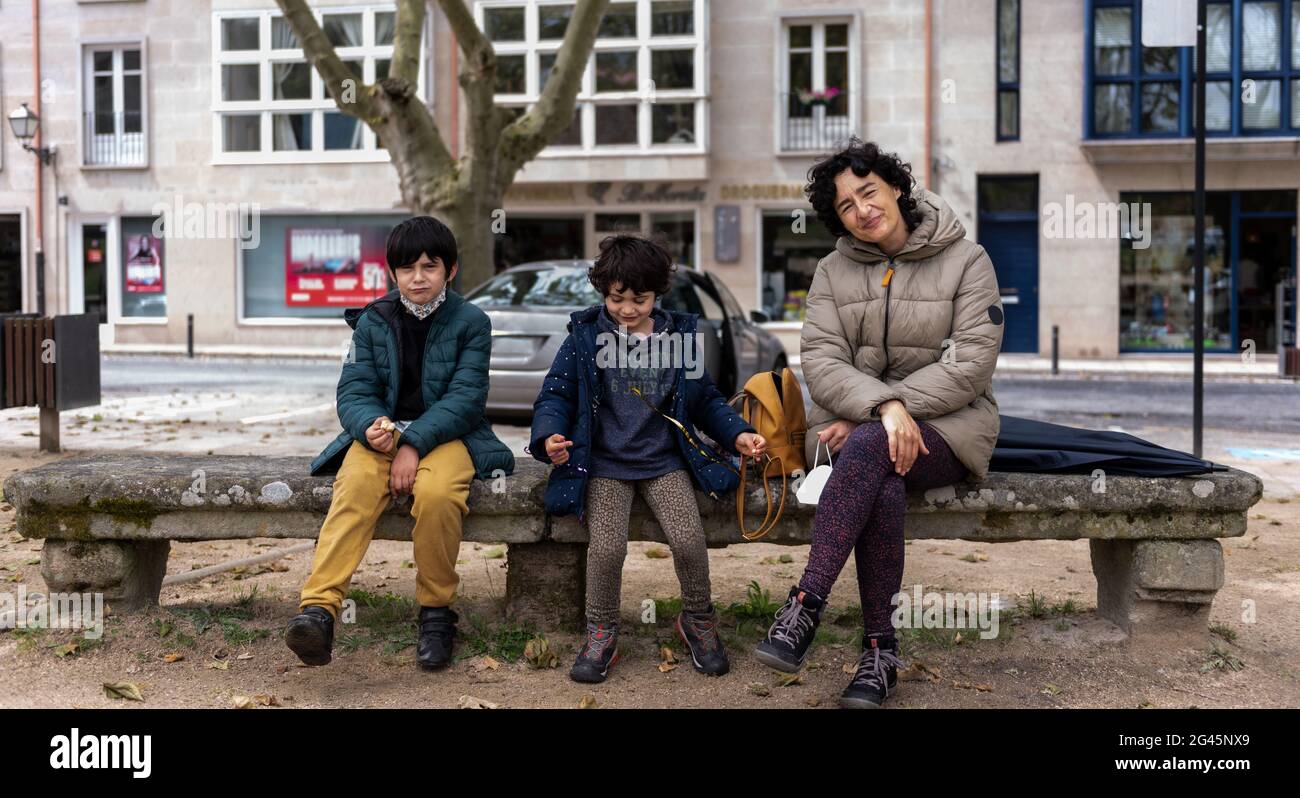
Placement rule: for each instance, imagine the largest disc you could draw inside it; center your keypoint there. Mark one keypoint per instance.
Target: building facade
(1062, 143)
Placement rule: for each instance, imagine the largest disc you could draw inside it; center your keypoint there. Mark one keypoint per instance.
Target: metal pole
(1056, 349)
(49, 440)
(1198, 324)
(189, 335)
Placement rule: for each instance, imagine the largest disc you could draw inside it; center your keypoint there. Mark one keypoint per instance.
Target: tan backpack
(772, 403)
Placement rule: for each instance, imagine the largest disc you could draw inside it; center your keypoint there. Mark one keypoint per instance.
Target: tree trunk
(471, 219)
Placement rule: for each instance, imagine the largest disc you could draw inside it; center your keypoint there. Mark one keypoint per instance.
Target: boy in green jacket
(411, 399)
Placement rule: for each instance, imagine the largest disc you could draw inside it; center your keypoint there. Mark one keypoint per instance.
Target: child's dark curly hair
(639, 264)
(863, 158)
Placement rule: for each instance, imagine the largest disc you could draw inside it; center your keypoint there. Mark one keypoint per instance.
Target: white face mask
(810, 489)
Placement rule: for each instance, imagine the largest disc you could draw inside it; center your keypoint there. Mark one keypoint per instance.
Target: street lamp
(24, 122)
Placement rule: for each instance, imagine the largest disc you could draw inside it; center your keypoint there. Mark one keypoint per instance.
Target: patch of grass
(387, 620)
(1226, 632)
(503, 641)
(1067, 607)
(1036, 607)
(228, 618)
(1219, 659)
(667, 610)
(28, 637)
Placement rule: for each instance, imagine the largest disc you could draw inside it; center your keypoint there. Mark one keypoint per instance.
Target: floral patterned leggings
(861, 510)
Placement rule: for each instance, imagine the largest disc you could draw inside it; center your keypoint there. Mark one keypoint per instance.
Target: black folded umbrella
(1037, 446)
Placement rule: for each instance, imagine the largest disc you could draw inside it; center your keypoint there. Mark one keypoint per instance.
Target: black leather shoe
(437, 635)
(310, 635)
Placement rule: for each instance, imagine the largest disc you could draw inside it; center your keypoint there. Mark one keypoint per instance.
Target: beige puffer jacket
(943, 294)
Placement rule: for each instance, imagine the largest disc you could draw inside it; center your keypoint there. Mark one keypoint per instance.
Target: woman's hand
(836, 434)
(401, 474)
(904, 435)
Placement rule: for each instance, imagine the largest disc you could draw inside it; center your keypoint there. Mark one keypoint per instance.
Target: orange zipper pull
(889, 273)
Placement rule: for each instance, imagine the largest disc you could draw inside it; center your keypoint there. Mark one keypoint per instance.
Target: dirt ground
(217, 642)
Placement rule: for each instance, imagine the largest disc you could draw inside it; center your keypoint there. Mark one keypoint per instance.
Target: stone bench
(108, 520)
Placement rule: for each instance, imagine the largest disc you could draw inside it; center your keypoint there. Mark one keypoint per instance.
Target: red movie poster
(341, 266)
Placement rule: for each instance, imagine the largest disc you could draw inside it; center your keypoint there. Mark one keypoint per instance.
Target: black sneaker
(437, 636)
(598, 654)
(310, 635)
(876, 677)
(787, 642)
(699, 631)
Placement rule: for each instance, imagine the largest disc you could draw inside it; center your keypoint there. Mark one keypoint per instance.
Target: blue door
(1008, 231)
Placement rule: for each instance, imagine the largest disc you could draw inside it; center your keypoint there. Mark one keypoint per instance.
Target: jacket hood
(939, 227)
(387, 305)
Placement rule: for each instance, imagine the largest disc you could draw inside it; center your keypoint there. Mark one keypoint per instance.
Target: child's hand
(401, 474)
(380, 434)
(557, 448)
(751, 444)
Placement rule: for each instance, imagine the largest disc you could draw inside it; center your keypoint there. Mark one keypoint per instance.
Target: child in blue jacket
(600, 420)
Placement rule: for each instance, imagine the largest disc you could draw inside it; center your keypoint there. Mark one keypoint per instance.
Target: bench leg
(128, 573)
(1158, 591)
(546, 583)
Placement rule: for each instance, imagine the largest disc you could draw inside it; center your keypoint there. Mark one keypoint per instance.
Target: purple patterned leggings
(861, 510)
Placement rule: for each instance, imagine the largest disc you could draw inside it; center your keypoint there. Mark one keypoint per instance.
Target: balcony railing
(114, 139)
(814, 126)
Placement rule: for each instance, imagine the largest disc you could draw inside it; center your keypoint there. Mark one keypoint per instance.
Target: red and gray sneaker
(788, 640)
(699, 631)
(876, 677)
(598, 654)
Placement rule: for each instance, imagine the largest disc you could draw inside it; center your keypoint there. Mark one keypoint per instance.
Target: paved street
(238, 405)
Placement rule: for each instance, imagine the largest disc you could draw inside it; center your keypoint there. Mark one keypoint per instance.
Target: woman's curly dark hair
(863, 158)
(642, 265)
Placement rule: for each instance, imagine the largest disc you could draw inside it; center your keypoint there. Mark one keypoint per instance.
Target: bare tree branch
(392, 109)
(406, 41)
(553, 112)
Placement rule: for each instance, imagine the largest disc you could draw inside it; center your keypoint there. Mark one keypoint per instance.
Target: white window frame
(320, 101)
(588, 99)
(86, 93)
(818, 20)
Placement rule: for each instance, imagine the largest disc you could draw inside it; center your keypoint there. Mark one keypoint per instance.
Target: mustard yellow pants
(361, 494)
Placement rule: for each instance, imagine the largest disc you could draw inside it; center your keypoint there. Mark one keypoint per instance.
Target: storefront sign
(638, 193)
(763, 191)
(144, 267)
(334, 267)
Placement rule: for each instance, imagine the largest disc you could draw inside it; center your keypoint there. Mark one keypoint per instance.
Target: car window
(682, 298)
(537, 288)
(733, 307)
(712, 310)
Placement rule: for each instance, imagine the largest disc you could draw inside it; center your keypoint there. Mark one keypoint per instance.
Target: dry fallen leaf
(850, 668)
(657, 553)
(588, 701)
(245, 655)
(124, 690)
(223, 665)
(666, 655)
(266, 700)
(471, 702)
(759, 689)
(539, 655)
(789, 679)
(66, 649)
(1051, 689)
(241, 702)
(173, 656)
(484, 663)
(983, 688)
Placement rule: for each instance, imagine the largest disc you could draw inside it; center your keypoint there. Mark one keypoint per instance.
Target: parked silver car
(530, 305)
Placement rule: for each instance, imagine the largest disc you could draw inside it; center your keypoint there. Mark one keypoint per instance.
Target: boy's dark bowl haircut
(640, 264)
(420, 235)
